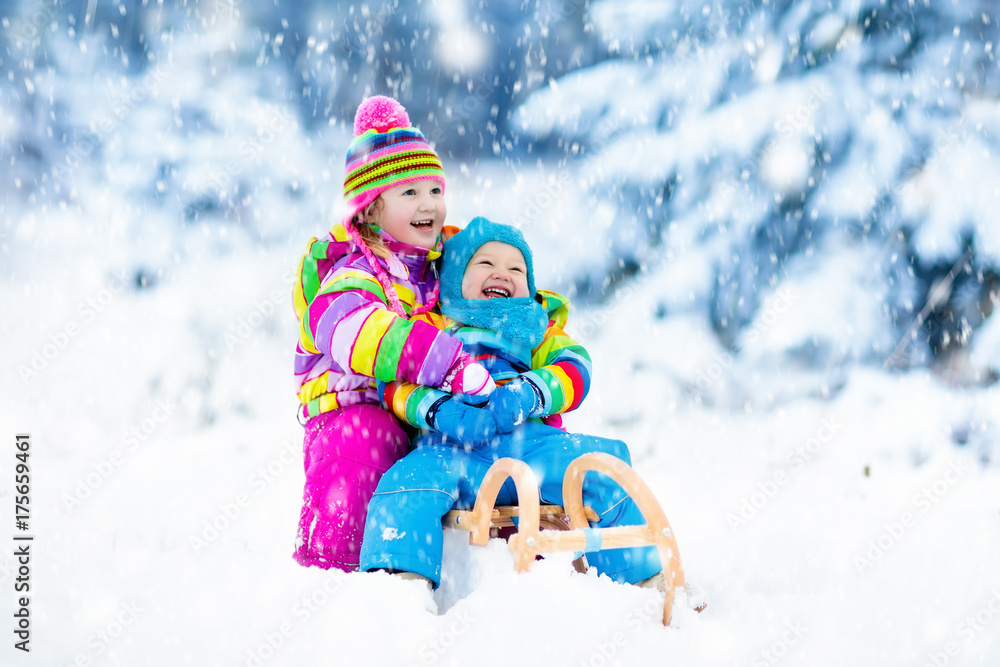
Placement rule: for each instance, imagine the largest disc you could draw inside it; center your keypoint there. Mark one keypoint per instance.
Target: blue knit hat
(459, 249)
(521, 320)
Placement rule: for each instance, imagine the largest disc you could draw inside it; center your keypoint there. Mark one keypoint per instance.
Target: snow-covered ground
(834, 509)
(830, 521)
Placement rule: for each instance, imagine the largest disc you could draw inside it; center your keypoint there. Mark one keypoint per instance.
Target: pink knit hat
(385, 152)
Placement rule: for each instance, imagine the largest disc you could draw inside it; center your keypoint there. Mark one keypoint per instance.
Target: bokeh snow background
(777, 221)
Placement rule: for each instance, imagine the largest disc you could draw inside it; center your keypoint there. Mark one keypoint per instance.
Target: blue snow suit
(404, 531)
(513, 338)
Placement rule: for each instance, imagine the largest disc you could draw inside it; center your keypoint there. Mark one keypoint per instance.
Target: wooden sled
(578, 536)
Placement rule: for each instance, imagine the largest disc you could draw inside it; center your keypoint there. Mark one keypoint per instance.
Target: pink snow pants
(346, 453)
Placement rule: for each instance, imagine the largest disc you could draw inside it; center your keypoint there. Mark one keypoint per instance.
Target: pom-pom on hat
(385, 152)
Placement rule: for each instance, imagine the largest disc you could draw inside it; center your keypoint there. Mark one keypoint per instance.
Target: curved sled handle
(521, 543)
(659, 531)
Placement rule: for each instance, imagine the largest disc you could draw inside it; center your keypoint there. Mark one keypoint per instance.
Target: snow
(392, 534)
(826, 32)
(953, 210)
(755, 212)
(840, 517)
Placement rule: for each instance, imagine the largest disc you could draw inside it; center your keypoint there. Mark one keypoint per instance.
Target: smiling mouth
(496, 293)
(422, 225)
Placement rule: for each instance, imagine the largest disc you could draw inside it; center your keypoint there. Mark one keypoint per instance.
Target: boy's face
(496, 271)
(412, 213)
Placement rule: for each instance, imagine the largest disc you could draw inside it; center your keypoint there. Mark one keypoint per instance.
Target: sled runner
(577, 536)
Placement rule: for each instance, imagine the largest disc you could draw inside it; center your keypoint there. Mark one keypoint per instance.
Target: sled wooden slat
(529, 541)
(552, 517)
(619, 537)
(505, 512)
(549, 516)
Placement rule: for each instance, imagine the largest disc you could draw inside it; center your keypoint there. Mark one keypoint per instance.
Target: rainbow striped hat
(385, 152)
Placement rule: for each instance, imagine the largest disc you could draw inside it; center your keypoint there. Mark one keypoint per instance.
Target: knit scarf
(519, 320)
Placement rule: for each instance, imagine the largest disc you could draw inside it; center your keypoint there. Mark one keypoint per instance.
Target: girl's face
(412, 213)
(496, 271)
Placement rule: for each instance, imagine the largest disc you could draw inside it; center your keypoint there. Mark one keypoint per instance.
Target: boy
(489, 301)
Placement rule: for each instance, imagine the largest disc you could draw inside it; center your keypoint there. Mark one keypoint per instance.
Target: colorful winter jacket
(559, 366)
(348, 337)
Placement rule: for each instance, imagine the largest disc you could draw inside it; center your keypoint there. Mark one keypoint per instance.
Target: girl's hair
(368, 235)
(371, 244)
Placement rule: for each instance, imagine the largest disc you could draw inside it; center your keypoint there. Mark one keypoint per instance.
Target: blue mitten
(465, 423)
(514, 402)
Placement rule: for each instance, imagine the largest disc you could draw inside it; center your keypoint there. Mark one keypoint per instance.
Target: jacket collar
(408, 259)
(405, 260)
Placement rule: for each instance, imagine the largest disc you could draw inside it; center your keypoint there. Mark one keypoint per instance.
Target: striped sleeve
(561, 370)
(410, 402)
(348, 320)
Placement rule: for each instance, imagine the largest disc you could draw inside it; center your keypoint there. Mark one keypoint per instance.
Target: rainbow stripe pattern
(377, 161)
(559, 366)
(348, 338)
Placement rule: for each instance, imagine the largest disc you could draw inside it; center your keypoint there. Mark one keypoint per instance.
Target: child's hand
(467, 424)
(467, 377)
(514, 402)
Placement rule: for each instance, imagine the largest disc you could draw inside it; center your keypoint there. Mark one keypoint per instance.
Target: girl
(355, 290)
